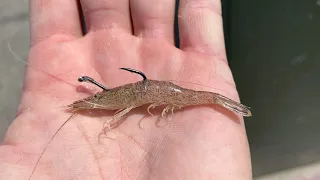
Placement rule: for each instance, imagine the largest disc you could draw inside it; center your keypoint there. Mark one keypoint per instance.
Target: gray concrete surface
(14, 30)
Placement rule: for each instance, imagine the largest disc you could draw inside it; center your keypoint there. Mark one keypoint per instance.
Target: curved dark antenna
(137, 72)
(91, 80)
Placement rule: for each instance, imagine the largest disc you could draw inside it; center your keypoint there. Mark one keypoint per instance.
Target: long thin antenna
(91, 80)
(137, 72)
(45, 148)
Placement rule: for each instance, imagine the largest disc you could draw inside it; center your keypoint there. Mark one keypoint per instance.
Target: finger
(54, 17)
(200, 26)
(106, 14)
(153, 18)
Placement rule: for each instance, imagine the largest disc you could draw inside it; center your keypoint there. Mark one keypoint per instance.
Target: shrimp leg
(152, 106)
(168, 108)
(165, 110)
(113, 121)
(118, 115)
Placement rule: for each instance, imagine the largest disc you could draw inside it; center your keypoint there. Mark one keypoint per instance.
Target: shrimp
(153, 93)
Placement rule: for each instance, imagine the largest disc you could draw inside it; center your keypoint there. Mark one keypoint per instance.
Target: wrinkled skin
(194, 143)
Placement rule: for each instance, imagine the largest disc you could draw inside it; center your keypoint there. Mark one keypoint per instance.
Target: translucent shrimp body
(155, 93)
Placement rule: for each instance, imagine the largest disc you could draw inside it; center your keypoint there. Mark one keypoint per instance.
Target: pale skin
(194, 143)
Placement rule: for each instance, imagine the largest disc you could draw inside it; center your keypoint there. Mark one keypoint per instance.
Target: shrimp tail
(233, 105)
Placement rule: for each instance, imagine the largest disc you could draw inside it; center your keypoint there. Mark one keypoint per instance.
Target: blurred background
(274, 52)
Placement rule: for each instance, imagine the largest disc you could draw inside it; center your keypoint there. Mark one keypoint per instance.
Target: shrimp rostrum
(153, 93)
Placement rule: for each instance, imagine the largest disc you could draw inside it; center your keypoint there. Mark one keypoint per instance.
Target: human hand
(194, 143)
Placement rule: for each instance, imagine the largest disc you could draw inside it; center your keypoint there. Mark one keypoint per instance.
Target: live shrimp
(153, 93)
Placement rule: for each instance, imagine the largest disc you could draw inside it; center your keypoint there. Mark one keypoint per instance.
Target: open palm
(194, 143)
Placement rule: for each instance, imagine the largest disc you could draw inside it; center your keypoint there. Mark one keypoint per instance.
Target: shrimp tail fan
(233, 105)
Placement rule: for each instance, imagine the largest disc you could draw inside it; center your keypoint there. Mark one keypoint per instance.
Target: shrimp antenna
(137, 72)
(91, 80)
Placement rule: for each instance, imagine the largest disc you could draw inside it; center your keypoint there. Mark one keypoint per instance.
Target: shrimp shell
(155, 93)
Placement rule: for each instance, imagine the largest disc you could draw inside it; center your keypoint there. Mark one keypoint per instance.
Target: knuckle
(213, 6)
(105, 16)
